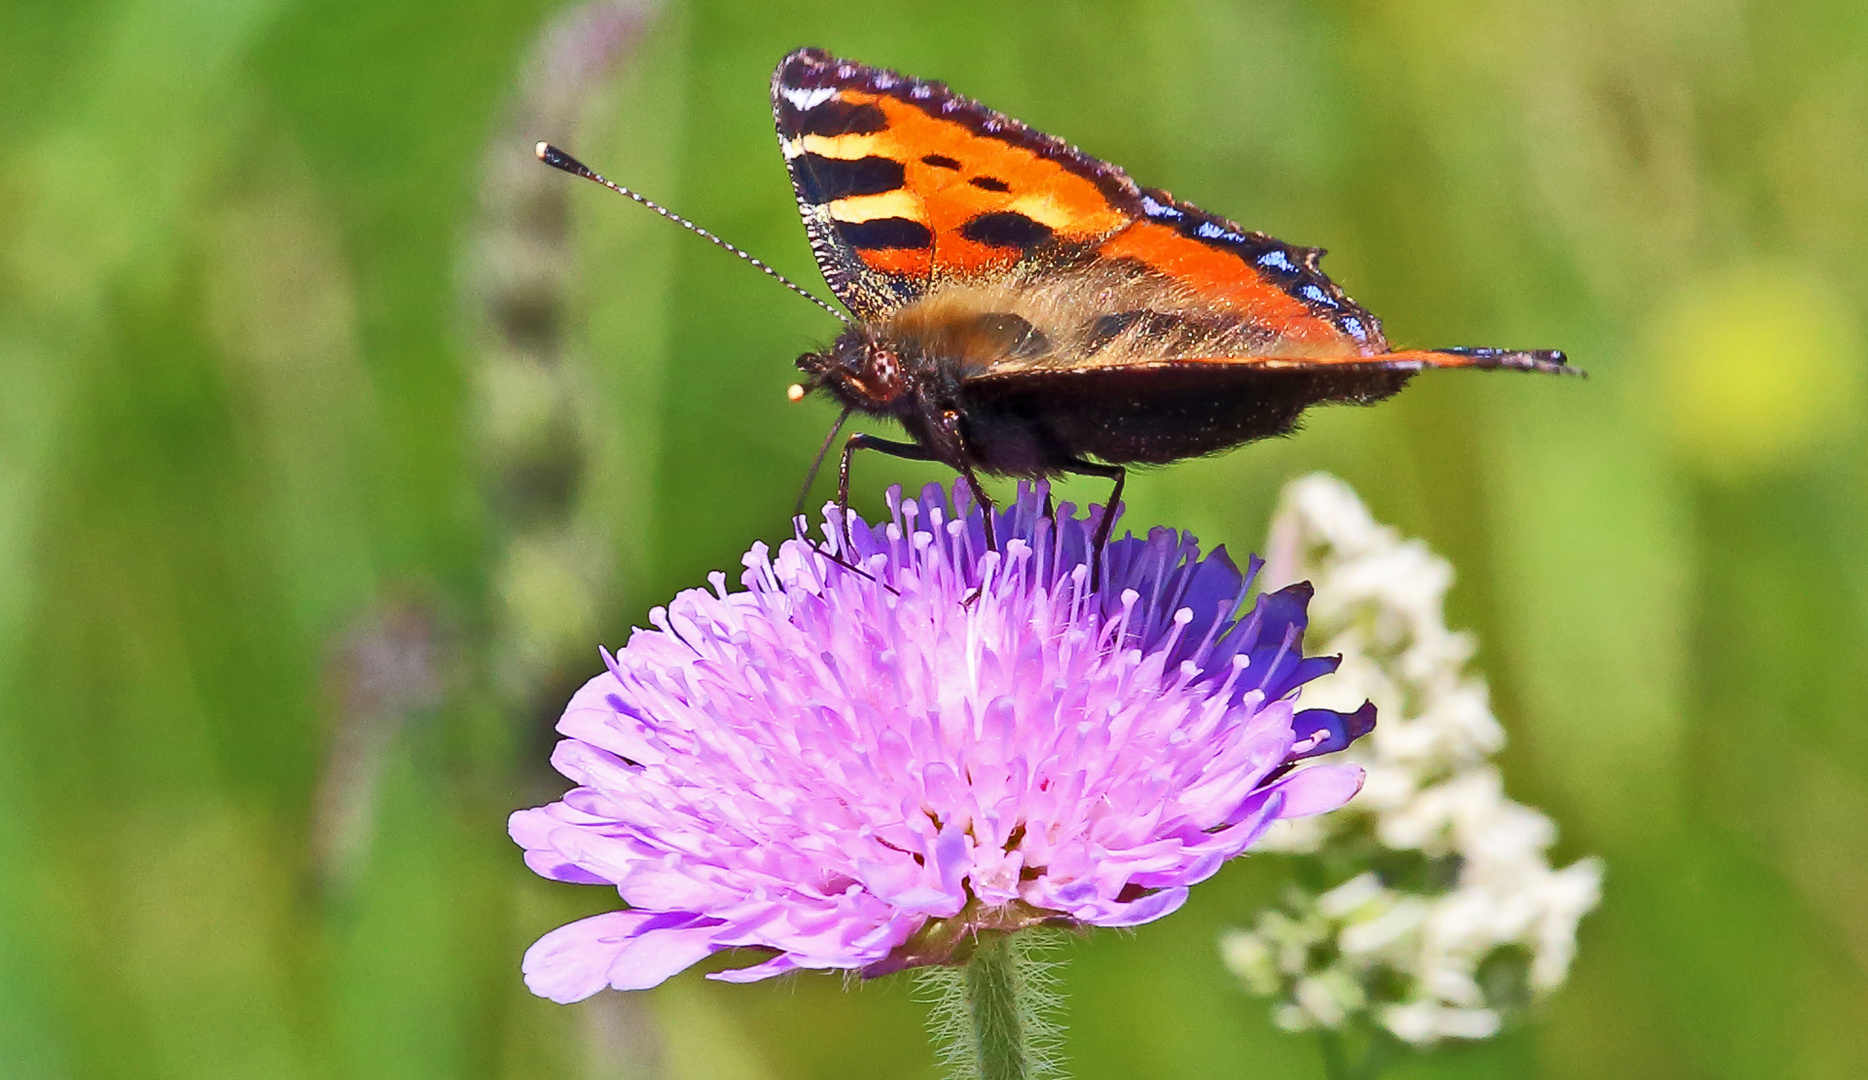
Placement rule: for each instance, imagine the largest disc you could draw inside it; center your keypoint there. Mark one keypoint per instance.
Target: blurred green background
(335, 433)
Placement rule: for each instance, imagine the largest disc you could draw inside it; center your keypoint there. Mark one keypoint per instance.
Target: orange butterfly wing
(907, 188)
(904, 185)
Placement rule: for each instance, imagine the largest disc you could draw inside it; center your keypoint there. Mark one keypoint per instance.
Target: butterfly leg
(955, 436)
(1108, 472)
(985, 507)
(860, 441)
(985, 512)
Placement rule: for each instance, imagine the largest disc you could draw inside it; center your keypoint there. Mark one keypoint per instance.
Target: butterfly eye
(885, 369)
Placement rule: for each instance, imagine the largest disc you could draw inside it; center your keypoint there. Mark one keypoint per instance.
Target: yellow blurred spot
(1758, 370)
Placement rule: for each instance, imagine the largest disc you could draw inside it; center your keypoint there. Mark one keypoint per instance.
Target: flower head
(862, 762)
(1442, 915)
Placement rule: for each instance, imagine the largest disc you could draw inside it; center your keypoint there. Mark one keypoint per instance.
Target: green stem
(992, 986)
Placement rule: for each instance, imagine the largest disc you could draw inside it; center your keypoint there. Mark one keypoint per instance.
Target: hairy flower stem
(992, 988)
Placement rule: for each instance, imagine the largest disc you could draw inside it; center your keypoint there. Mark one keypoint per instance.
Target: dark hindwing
(1153, 414)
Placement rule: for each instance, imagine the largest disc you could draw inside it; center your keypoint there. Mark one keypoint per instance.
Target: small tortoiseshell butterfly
(1024, 309)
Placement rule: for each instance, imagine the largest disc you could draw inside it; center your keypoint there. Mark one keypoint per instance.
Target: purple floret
(862, 766)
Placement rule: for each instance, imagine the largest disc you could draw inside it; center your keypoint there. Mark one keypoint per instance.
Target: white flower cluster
(1456, 915)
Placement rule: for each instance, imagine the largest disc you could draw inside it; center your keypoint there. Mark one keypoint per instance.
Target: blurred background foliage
(335, 434)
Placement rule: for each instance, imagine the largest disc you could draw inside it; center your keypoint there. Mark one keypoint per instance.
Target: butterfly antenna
(558, 159)
(822, 452)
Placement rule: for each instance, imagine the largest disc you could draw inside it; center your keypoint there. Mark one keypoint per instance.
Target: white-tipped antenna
(558, 159)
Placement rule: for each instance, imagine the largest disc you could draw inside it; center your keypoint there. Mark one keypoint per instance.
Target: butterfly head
(860, 369)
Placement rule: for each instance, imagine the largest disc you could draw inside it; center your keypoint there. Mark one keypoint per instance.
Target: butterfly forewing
(1274, 288)
(905, 186)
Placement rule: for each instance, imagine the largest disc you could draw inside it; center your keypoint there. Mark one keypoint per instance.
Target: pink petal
(653, 957)
(550, 864)
(778, 965)
(532, 830)
(1318, 789)
(592, 717)
(629, 950)
(1147, 909)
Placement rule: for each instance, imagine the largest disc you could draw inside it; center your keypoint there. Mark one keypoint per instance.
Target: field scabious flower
(867, 762)
(1439, 914)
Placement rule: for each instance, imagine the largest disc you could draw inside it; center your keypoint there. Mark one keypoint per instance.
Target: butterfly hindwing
(1155, 412)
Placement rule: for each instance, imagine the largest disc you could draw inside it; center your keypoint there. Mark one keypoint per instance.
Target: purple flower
(864, 768)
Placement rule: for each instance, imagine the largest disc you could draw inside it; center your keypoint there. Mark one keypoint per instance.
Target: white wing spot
(805, 100)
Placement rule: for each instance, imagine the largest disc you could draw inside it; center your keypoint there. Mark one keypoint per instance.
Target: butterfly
(1024, 309)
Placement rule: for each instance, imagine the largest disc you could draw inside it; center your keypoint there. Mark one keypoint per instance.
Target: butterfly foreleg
(1108, 472)
(860, 441)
